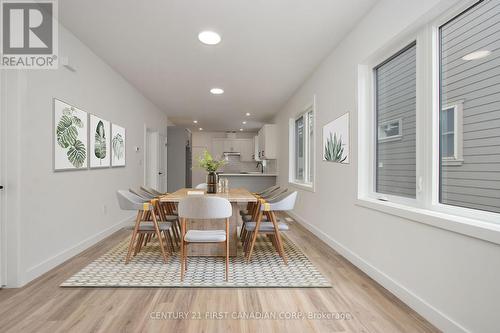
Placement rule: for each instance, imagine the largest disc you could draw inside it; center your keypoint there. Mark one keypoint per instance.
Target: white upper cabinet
(267, 142)
(242, 146)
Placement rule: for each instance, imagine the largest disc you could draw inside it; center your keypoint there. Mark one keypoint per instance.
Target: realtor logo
(29, 34)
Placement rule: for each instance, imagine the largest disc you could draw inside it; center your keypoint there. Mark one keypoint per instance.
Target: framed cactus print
(100, 150)
(336, 140)
(118, 145)
(70, 134)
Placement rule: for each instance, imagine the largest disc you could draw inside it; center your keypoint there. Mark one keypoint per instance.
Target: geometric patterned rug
(266, 269)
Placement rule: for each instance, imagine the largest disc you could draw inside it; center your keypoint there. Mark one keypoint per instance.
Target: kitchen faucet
(261, 165)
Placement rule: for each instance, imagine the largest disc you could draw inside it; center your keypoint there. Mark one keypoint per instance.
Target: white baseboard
(46, 265)
(426, 310)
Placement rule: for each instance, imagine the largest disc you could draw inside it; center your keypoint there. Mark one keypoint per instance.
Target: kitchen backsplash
(235, 165)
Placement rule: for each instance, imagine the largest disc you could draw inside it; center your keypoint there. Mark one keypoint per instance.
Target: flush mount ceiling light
(244, 122)
(217, 91)
(209, 37)
(247, 114)
(476, 55)
(241, 129)
(201, 129)
(195, 121)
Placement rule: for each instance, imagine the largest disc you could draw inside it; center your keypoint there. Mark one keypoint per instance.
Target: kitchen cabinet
(267, 139)
(242, 146)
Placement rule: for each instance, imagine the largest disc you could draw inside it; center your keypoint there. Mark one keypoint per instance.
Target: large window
(302, 172)
(429, 121)
(470, 108)
(395, 96)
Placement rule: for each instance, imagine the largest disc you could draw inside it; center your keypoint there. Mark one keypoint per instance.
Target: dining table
(237, 197)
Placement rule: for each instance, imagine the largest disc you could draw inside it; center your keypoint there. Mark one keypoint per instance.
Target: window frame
(396, 137)
(425, 208)
(458, 134)
(307, 184)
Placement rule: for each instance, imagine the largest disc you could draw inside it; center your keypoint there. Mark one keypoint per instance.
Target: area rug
(266, 269)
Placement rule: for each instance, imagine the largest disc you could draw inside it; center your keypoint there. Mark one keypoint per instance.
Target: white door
(162, 160)
(2, 248)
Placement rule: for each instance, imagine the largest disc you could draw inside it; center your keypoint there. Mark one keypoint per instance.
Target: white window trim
(309, 186)
(426, 207)
(458, 128)
(396, 137)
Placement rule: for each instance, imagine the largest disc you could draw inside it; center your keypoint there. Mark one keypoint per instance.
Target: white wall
(52, 216)
(449, 278)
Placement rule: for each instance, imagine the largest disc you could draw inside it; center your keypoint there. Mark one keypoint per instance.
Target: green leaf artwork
(333, 149)
(67, 137)
(100, 142)
(77, 154)
(118, 146)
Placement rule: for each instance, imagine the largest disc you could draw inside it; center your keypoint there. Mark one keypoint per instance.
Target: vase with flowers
(207, 162)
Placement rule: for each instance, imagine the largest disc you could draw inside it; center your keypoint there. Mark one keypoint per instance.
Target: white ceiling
(268, 48)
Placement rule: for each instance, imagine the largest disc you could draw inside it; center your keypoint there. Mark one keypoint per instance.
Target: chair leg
(278, 238)
(170, 240)
(182, 248)
(138, 244)
(254, 238)
(158, 233)
(227, 249)
(134, 234)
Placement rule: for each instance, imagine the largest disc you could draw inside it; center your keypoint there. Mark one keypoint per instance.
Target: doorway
(155, 157)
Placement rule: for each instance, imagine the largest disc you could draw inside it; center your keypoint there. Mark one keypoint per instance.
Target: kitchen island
(252, 181)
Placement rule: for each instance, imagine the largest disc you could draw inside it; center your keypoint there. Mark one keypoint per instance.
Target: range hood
(231, 153)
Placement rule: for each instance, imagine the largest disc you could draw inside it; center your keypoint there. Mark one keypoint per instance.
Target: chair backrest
(143, 194)
(275, 194)
(151, 191)
(129, 201)
(202, 186)
(204, 207)
(268, 190)
(283, 203)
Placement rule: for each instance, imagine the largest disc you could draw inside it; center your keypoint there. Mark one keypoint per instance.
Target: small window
(451, 135)
(390, 130)
(302, 128)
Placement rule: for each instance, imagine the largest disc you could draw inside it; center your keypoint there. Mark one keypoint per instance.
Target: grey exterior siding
(476, 84)
(396, 100)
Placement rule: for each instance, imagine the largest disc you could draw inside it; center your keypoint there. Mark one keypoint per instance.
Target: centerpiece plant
(211, 165)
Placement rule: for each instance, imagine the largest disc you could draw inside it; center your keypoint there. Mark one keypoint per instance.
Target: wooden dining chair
(165, 212)
(204, 208)
(152, 191)
(272, 227)
(143, 226)
(263, 194)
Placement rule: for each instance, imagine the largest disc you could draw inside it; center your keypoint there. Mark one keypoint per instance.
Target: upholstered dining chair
(151, 190)
(204, 208)
(272, 227)
(142, 227)
(164, 212)
(202, 186)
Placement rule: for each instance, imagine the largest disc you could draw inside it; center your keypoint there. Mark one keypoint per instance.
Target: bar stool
(203, 208)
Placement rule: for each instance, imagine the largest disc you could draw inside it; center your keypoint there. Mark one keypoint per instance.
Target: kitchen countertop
(248, 174)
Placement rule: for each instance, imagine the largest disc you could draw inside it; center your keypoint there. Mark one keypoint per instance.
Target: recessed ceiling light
(195, 121)
(476, 55)
(244, 122)
(209, 37)
(241, 129)
(217, 91)
(201, 129)
(247, 114)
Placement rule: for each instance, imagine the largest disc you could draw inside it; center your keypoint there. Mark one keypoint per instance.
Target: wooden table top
(237, 195)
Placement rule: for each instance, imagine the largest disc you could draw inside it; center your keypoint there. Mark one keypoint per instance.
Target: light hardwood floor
(42, 306)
